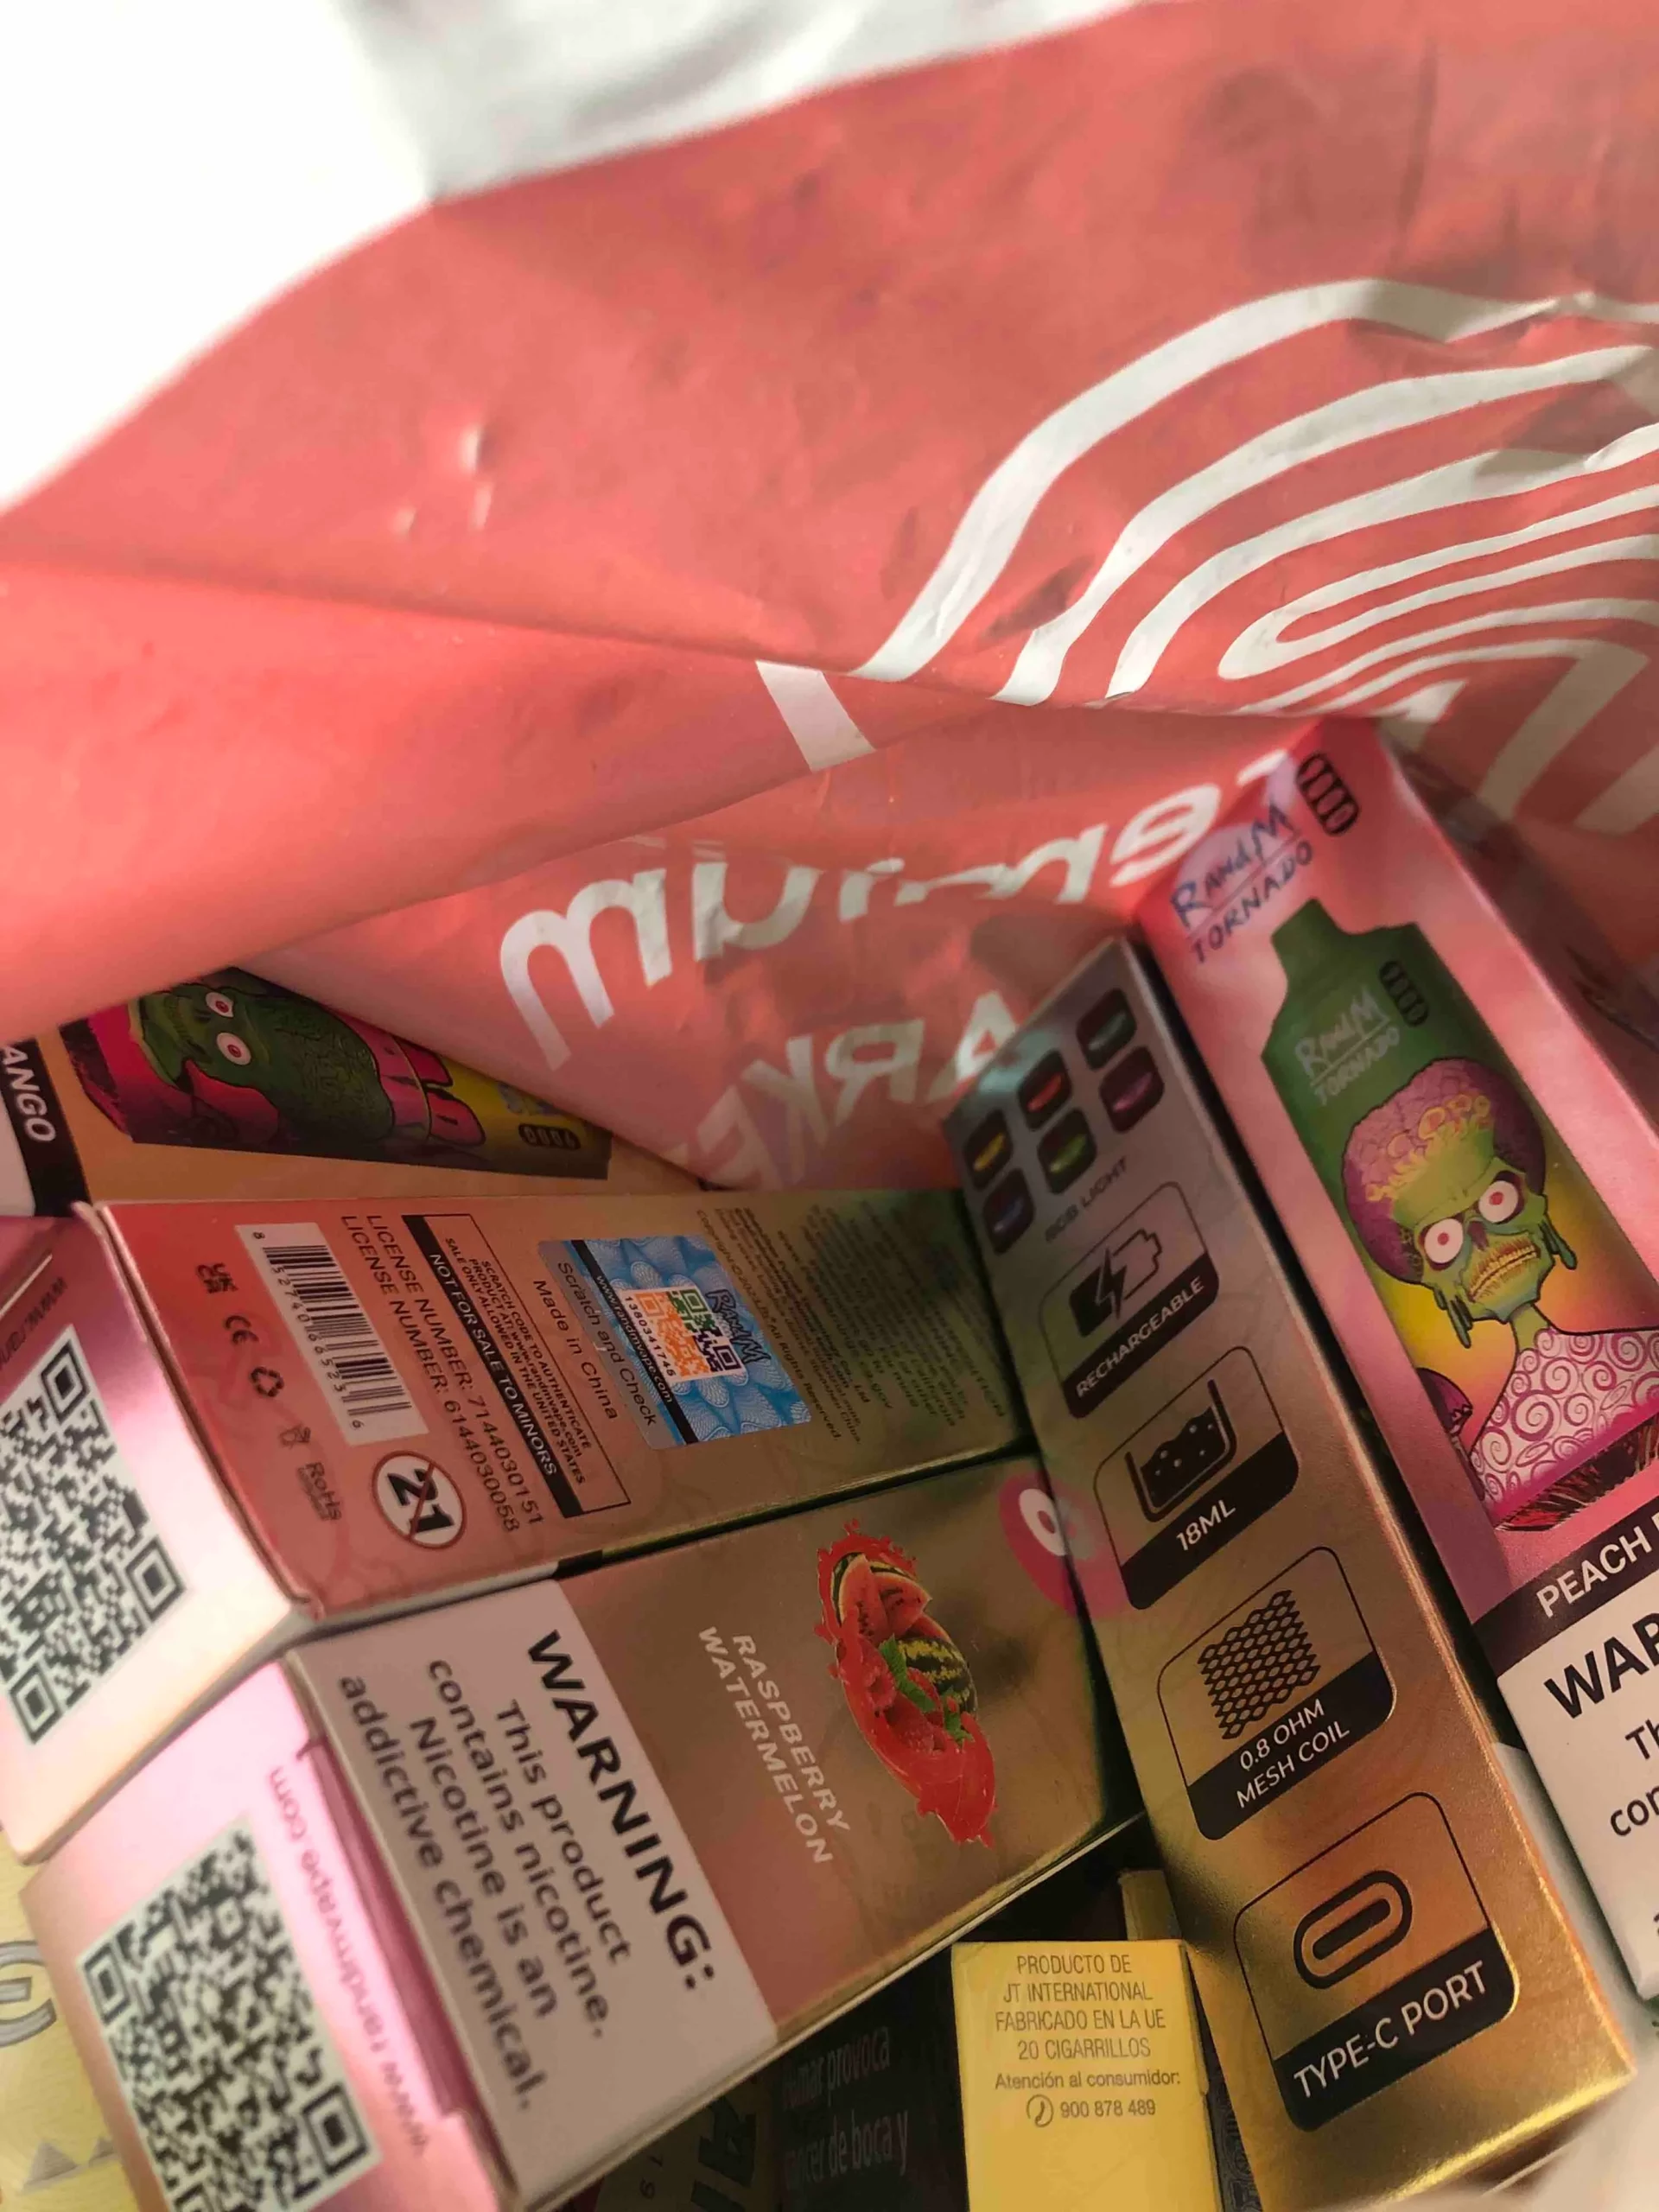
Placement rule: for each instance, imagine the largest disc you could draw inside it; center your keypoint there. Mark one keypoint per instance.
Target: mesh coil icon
(1261, 1661)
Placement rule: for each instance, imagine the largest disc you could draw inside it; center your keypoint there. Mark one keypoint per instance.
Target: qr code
(82, 1574)
(685, 1331)
(225, 2060)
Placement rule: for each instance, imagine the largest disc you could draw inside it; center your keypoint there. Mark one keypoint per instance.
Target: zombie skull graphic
(1445, 1185)
(247, 1064)
(313, 1067)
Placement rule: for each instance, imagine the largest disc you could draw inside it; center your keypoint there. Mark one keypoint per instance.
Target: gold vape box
(512, 1886)
(1398, 1989)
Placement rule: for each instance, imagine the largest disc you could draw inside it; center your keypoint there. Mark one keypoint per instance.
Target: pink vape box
(1454, 1125)
(220, 1425)
(454, 1910)
(232, 1966)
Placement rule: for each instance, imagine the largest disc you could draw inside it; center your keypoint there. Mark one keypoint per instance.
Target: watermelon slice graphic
(906, 1682)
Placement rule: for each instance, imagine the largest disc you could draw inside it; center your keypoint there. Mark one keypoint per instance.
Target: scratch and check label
(680, 1321)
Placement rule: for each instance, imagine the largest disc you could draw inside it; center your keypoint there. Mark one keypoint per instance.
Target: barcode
(341, 1345)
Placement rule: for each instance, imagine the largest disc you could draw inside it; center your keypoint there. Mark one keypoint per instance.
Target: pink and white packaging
(234, 1834)
(546, 524)
(1567, 1611)
(79, 1369)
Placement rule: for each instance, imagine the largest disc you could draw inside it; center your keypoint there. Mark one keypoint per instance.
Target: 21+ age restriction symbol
(419, 1499)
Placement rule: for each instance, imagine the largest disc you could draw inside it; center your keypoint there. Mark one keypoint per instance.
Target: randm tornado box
(231, 1086)
(1456, 1129)
(1401, 1985)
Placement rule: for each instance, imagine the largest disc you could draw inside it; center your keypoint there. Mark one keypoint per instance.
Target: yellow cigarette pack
(1083, 2084)
(52, 2146)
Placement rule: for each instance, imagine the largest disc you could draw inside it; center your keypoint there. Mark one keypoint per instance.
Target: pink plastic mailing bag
(443, 451)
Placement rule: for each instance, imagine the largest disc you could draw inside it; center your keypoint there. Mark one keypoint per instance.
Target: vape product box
(1079, 2061)
(1397, 1988)
(1451, 1126)
(219, 1425)
(232, 1087)
(54, 2147)
(460, 1907)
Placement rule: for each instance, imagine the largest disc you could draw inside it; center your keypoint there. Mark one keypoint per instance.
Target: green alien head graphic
(1444, 1184)
(311, 1065)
